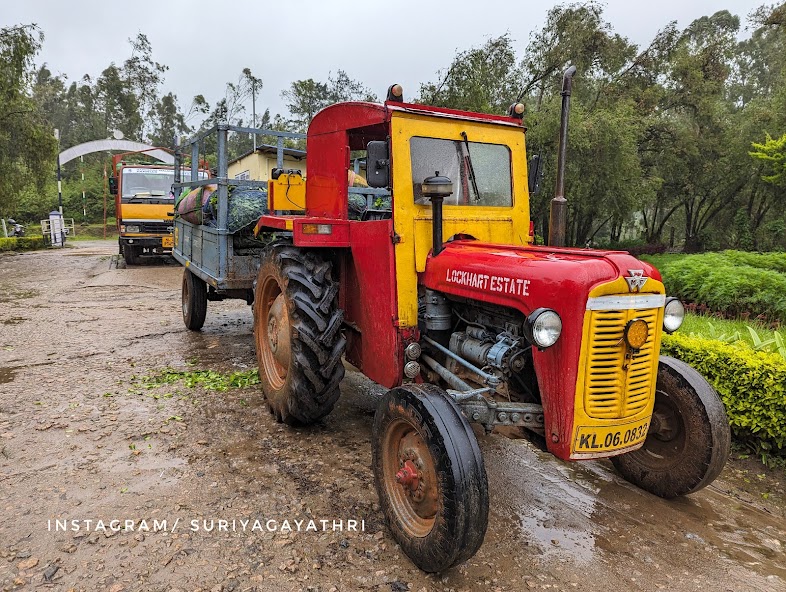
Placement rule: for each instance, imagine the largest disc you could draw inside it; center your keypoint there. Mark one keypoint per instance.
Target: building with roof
(257, 165)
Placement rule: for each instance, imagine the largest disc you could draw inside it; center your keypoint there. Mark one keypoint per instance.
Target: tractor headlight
(673, 315)
(132, 228)
(543, 327)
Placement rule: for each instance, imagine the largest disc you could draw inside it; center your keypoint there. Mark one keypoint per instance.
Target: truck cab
(144, 204)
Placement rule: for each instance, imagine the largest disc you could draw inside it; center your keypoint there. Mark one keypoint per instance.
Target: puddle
(7, 375)
(552, 539)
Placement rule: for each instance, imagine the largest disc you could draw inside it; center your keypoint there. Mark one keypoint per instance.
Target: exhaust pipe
(559, 205)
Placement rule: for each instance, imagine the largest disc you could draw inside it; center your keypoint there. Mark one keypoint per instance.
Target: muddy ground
(81, 440)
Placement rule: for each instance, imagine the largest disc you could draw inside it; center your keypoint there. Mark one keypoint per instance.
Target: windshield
(458, 160)
(149, 182)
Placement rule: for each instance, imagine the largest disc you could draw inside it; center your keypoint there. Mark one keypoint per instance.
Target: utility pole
(84, 199)
(59, 182)
(254, 109)
(253, 81)
(60, 191)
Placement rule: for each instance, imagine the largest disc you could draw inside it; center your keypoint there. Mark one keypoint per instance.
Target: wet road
(80, 439)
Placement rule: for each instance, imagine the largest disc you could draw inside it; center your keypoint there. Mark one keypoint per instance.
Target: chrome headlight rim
(535, 331)
(133, 228)
(673, 309)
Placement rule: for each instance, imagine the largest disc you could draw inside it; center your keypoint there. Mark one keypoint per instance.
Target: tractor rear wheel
(430, 476)
(689, 436)
(193, 300)
(297, 331)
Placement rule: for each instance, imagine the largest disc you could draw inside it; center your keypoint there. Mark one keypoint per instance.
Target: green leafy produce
(208, 379)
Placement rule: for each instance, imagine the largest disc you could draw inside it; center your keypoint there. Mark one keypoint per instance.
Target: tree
(304, 98)
(27, 143)
(484, 79)
(143, 77)
(772, 155)
(168, 121)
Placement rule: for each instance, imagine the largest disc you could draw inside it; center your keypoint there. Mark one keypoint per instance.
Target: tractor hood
(526, 278)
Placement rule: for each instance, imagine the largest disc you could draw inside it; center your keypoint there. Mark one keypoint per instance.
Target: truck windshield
(142, 182)
(490, 163)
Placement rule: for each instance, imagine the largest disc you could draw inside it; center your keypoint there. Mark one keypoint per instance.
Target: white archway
(117, 145)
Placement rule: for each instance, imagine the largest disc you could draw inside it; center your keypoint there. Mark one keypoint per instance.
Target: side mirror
(535, 174)
(378, 164)
(113, 185)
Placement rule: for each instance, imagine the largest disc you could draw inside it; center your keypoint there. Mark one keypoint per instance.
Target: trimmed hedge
(25, 243)
(751, 383)
(729, 283)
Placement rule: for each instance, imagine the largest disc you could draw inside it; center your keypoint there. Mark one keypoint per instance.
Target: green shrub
(773, 261)
(751, 383)
(729, 283)
(25, 243)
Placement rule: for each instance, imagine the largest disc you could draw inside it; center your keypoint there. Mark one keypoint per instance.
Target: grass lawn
(731, 331)
(662, 260)
(95, 232)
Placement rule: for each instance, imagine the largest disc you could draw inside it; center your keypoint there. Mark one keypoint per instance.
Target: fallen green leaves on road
(211, 380)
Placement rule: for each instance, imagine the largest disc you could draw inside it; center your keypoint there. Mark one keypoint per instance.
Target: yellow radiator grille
(617, 387)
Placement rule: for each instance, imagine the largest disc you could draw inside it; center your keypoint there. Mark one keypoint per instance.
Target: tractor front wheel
(430, 476)
(297, 331)
(689, 436)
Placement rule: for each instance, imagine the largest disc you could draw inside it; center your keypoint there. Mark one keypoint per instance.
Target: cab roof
(357, 114)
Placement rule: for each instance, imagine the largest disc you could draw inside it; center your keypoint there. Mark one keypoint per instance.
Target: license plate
(593, 440)
(166, 241)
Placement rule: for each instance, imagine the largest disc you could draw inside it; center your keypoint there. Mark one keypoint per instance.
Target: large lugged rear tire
(193, 300)
(689, 438)
(430, 476)
(297, 331)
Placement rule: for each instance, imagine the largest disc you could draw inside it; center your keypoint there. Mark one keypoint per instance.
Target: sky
(206, 44)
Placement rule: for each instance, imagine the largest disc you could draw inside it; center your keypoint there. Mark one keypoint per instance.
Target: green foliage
(27, 144)
(24, 243)
(754, 335)
(208, 379)
(732, 283)
(484, 79)
(772, 154)
(751, 383)
(304, 98)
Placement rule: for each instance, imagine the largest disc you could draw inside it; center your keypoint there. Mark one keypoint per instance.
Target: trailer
(219, 263)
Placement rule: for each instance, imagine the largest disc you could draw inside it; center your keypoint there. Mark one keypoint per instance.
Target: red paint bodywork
(368, 297)
(559, 278)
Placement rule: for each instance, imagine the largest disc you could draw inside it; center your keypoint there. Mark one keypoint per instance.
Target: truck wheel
(689, 436)
(131, 255)
(194, 300)
(430, 476)
(297, 330)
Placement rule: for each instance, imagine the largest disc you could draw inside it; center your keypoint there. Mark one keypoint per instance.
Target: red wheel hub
(407, 477)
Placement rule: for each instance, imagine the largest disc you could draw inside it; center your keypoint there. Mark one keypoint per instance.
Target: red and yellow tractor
(436, 291)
